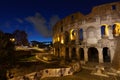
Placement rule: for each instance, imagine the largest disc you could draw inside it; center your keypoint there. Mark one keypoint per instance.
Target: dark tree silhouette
(21, 38)
(6, 54)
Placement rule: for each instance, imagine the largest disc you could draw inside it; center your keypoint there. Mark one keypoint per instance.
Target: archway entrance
(74, 56)
(81, 34)
(81, 53)
(73, 36)
(104, 31)
(92, 54)
(66, 39)
(58, 51)
(67, 54)
(106, 54)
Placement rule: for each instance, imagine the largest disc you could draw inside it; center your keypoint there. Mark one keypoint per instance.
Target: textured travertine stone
(100, 55)
(70, 50)
(93, 32)
(86, 54)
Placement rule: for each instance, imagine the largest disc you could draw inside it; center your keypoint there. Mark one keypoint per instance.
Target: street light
(12, 39)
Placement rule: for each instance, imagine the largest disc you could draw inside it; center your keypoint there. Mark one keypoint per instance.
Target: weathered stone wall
(103, 15)
(51, 72)
(116, 57)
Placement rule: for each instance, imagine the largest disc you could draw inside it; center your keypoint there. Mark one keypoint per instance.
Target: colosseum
(88, 38)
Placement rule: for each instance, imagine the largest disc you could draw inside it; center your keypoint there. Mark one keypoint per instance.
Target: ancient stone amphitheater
(89, 38)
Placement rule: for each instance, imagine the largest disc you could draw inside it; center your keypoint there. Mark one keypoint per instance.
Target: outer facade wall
(97, 32)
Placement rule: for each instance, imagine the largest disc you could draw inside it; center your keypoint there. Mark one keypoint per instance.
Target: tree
(20, 38)
(6, 54)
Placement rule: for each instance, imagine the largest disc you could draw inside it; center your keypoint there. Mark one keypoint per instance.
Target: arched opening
(92, 54)
(106, 54)
(67, 54)
(58, 52)
(81, 52)
(116, 29)
(66, 39)
(72, 35)
(81, 34)
(104, 31)
(74, 56)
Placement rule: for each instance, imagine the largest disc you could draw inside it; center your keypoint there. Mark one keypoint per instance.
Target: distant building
(41, 44)
(89, 38)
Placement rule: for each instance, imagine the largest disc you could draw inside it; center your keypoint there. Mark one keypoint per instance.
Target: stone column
(112, 52)
(85, 54)
(100, 55)
(110, 32)
(70, 50)
(84, 35)
(77, 52)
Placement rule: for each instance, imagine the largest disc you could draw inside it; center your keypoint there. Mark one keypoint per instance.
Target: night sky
(37, 17)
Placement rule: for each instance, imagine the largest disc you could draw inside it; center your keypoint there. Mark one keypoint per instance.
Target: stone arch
(93, 54)
(116, 29)
(113, 28)
(67, 54)
(81, 53)
(73, 33)
(81, 34)
(74, 55)
(104, 31)
(91, 35)
(106, 54)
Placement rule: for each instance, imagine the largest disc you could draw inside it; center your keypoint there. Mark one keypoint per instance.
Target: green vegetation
(7, 58)
(31, 58)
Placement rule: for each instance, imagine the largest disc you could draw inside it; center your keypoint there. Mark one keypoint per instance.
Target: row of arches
(91, 31)
(93, 54)
(72, 35)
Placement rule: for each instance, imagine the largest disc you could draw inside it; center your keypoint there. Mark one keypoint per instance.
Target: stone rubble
(54, 72)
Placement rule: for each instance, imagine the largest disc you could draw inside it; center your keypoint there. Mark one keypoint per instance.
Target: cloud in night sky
(53, 20)
(41, 24)
(19, 20)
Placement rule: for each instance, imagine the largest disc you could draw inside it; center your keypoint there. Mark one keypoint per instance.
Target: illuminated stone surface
(95, 33)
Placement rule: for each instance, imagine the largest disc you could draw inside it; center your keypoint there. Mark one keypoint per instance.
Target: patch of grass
(28, 58)
(35, 51)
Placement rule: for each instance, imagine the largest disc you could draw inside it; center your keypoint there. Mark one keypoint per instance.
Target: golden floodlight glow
(106, 29)
(72, 35)
(62, 40)
(12, 39)
(53, 40)
(117, 29)
(58, 39)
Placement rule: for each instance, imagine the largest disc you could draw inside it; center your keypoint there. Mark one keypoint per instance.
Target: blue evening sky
(37, 17)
